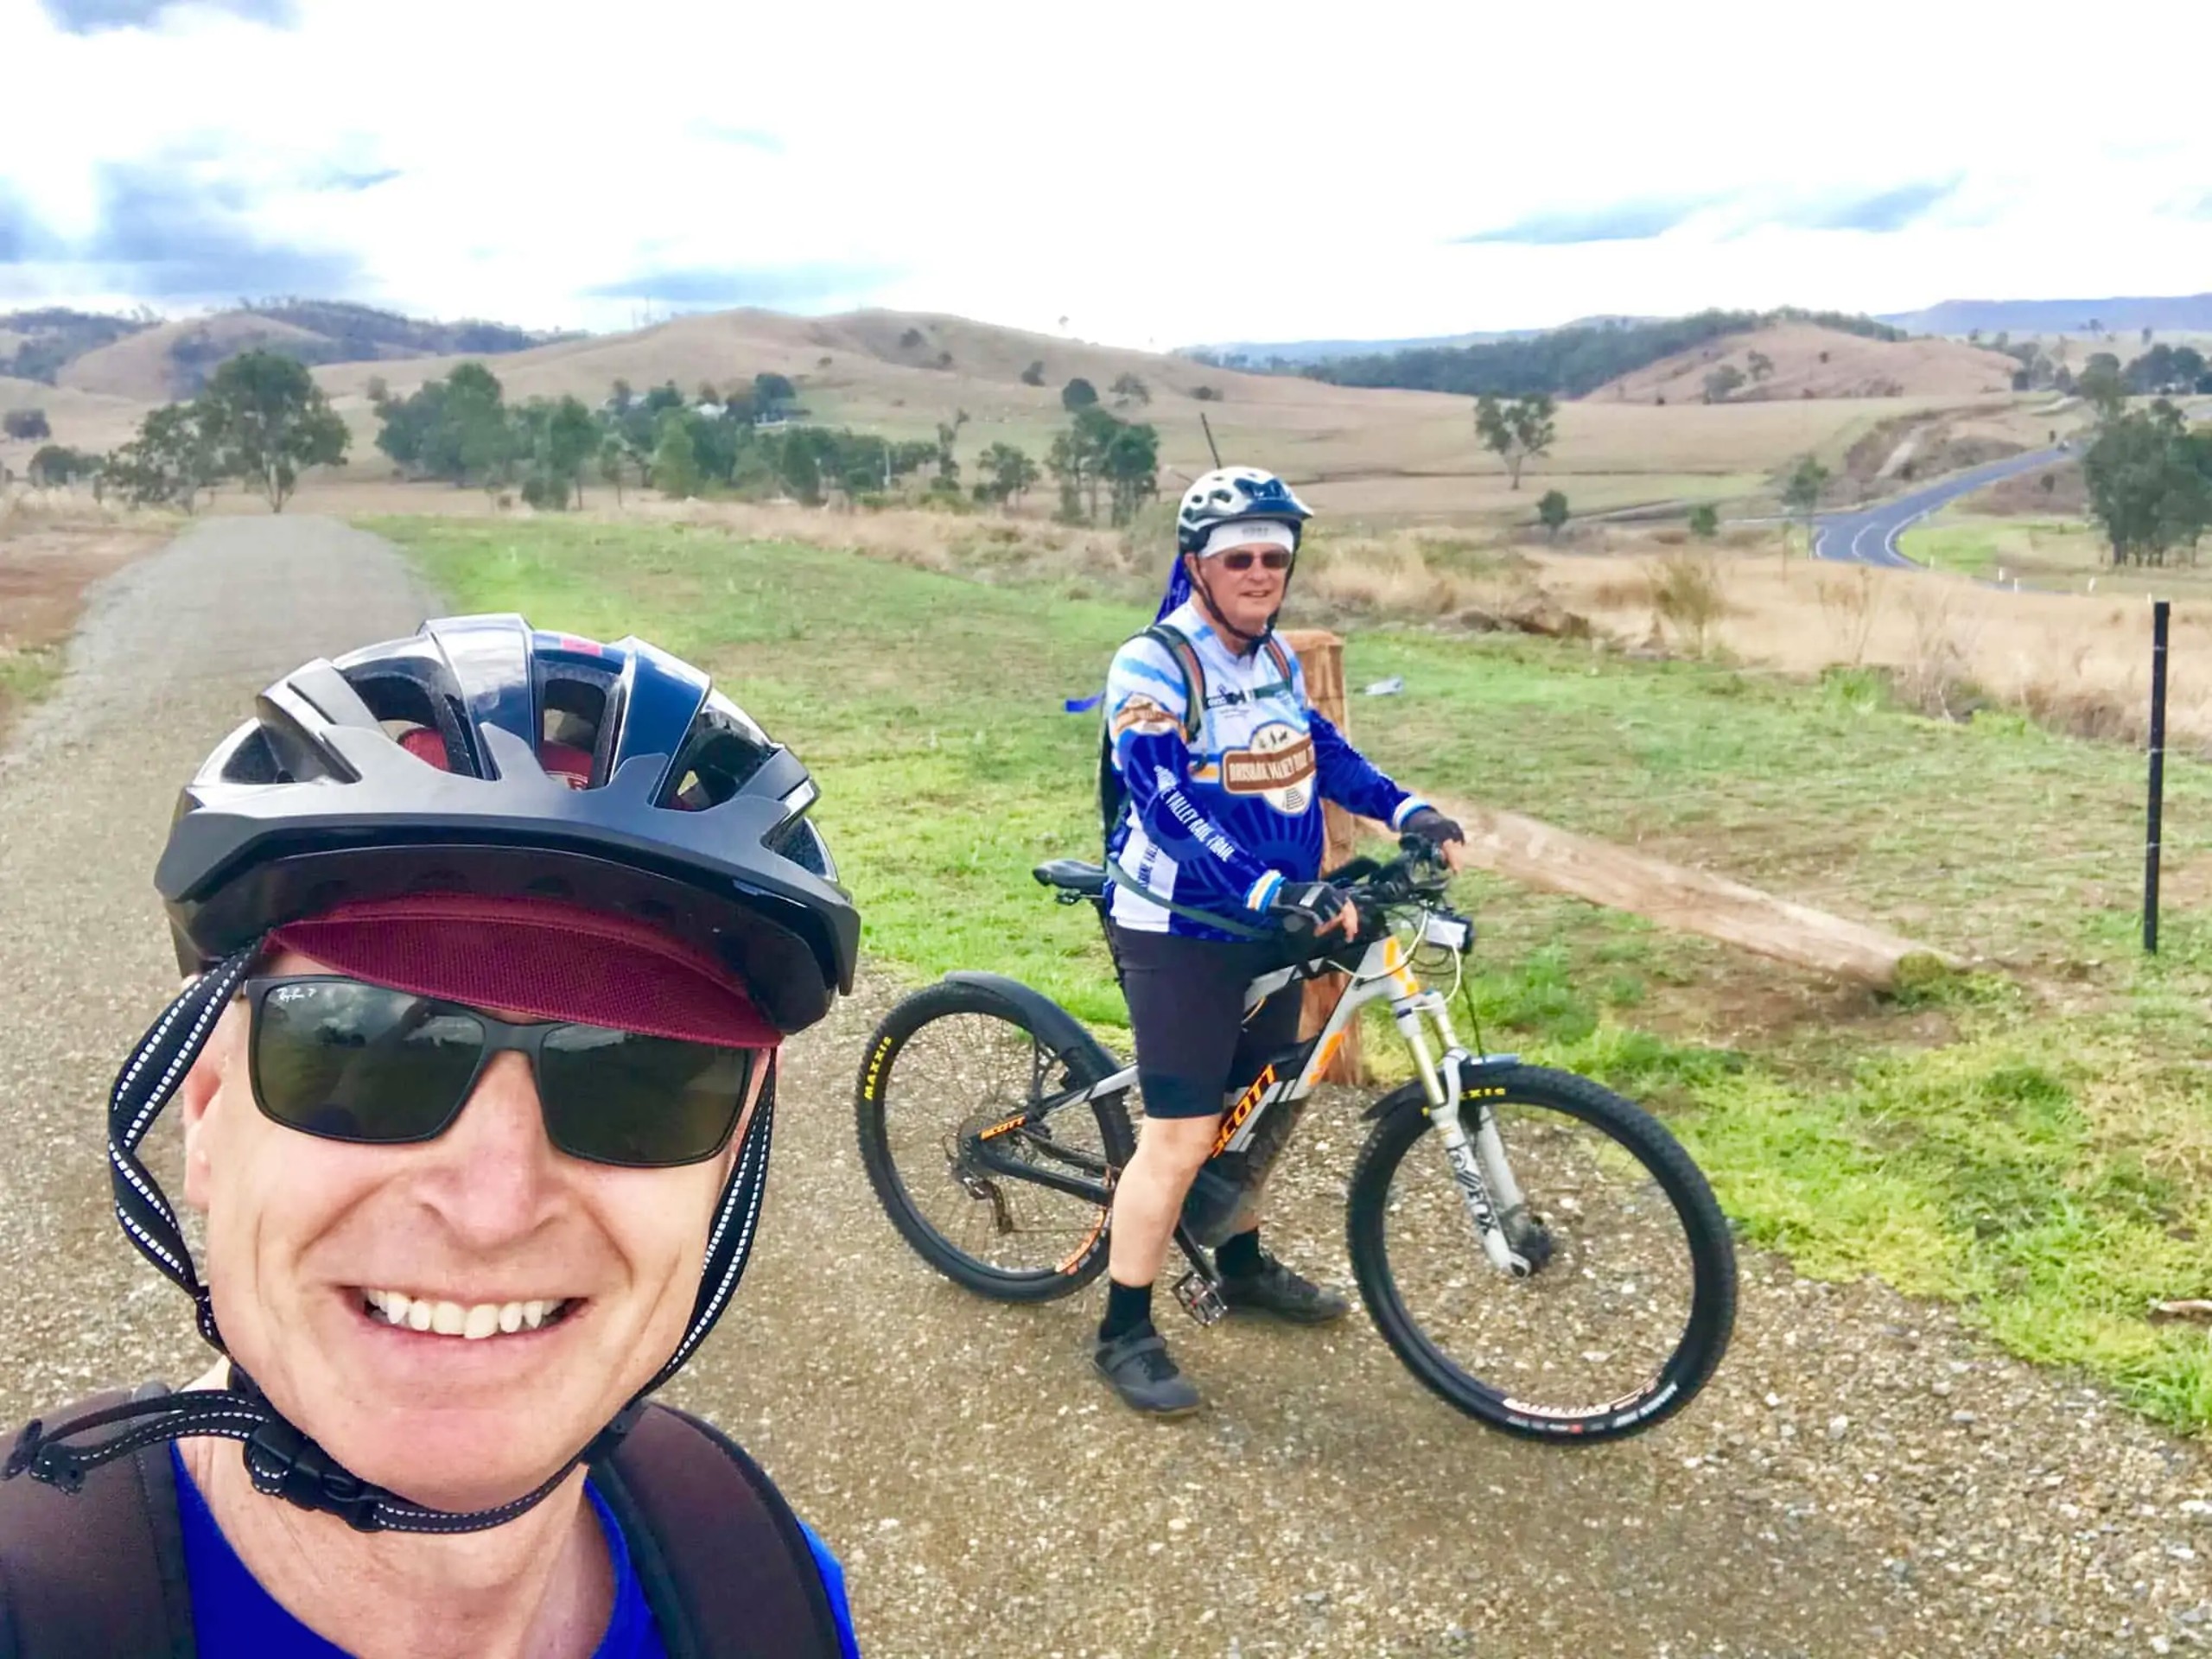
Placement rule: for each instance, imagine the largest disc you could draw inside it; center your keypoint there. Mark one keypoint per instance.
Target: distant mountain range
(1235, 353)
(2191, 313)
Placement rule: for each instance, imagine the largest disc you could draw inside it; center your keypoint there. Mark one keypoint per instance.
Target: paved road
(1869, 536)
(1862, 1477)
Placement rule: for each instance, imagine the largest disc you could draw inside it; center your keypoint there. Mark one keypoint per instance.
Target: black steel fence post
(2159, 612)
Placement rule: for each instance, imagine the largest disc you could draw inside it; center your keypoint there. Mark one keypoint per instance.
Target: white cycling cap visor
(1249, 532)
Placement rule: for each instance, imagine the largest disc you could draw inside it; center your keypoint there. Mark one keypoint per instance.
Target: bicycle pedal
(1201, 1298)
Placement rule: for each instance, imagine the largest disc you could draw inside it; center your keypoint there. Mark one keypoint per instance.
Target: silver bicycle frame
(1493, 1199)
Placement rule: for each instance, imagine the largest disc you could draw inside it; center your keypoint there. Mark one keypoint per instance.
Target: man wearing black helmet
(1221, 765)
(494, 936)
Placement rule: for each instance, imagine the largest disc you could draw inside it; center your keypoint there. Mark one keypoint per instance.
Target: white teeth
(472, 1324)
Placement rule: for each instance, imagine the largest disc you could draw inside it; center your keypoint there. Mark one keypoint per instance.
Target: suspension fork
(1479, 1168)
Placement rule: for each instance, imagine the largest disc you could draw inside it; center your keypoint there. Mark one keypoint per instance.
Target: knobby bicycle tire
(877, 1101)
(1404, 1125)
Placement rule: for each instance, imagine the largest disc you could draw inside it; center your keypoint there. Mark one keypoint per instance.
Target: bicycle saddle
(1073, 875)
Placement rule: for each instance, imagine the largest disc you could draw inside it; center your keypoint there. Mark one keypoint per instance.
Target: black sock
(1128, 1306)
(1238, 1257)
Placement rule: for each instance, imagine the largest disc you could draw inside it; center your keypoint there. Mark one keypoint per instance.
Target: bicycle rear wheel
(946, 1071)
(1631, 1297)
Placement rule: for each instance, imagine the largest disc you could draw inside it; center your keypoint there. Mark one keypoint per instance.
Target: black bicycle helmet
(479, 757)
(664, 802)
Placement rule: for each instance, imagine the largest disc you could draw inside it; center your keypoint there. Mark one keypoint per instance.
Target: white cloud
(1181, 172)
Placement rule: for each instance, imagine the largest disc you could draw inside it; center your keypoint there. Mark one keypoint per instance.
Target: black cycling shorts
(1186, 1006)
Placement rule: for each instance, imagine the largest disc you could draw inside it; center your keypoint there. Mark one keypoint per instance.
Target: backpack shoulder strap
(1179, 647)
(101, 1570)
(721, 1557)
(1280, 655)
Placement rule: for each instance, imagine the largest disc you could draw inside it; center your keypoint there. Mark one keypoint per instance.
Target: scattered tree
(675, 458)
(29, 425)
(1206, 394)
(1551, 513)
(270, 420)
(1705, 521)
(1131, 466)
(772, 393)
(1079, 394)
(1517, 431)
(1128, 389)
(1008, 473)
(2102, 386)
(612, 459)
(1801, 495)
(1760, 364)
(1719, 382)
(1034, 374)
(911, 340)
(55, 465)
(2149, 479)
(171, 461)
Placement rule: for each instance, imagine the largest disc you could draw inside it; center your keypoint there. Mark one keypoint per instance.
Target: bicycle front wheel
(1627, 1295)
(950, 1069)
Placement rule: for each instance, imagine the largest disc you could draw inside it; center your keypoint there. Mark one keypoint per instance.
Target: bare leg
(1149, 1195)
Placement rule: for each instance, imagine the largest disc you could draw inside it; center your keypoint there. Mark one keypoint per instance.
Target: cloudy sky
(1156, 174)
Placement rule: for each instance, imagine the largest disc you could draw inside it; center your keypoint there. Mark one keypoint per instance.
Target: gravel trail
(1862, 1476)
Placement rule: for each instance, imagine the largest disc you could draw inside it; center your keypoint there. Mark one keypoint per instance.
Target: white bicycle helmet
(1233, 492)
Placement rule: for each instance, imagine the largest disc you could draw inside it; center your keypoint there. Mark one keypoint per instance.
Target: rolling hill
(153, 361)
(1809, 361)
(2186, 314)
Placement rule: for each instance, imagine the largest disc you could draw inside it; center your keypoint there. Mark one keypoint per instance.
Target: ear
(196, 1097)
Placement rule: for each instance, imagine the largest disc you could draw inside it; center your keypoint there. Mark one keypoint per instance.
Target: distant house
(774, 415)
(712, 411)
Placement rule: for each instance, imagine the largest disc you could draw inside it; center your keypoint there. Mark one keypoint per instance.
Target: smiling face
(1244, 599)
(570, 1282)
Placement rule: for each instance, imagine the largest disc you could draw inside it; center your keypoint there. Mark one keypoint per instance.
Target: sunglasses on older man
(348, 1061)
(1241, 559)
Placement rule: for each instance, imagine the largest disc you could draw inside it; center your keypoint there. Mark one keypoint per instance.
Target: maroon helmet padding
(538, 956)
(534, 956)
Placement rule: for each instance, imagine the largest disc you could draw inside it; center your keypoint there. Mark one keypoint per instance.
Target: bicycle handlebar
(1418, 873)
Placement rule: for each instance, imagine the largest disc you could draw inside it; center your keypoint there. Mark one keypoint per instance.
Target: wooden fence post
(1321, 655)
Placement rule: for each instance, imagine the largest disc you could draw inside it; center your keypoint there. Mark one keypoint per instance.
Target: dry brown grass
(1852, 601)
(1688, 594)
(53, 547)
(2080, 664)
(1854, 366)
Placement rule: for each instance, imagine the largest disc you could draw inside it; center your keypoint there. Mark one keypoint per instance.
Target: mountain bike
(1539, 1252)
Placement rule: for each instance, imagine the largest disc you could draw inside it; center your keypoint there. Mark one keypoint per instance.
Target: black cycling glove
(1304, 906)
(1433, 827)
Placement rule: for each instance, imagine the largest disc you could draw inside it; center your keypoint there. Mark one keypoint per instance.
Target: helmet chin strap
(1246, 644)
(284, 1461)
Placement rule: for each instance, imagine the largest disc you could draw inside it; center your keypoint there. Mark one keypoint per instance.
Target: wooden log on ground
(1552, 860)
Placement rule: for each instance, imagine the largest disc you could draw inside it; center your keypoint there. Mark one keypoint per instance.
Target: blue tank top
(232, 1616)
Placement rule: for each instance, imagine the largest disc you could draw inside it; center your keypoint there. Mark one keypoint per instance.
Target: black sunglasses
(348, 1061)
(1241, 559)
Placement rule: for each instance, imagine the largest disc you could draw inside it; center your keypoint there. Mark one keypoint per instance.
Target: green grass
(2036, 1146)
(26, 676)
(2054, 552)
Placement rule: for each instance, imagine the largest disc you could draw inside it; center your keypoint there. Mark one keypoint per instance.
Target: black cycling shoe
(1140, 1370)
(1275, 1289)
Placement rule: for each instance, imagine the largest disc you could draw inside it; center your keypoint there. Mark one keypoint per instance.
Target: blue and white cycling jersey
(1219, 826)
